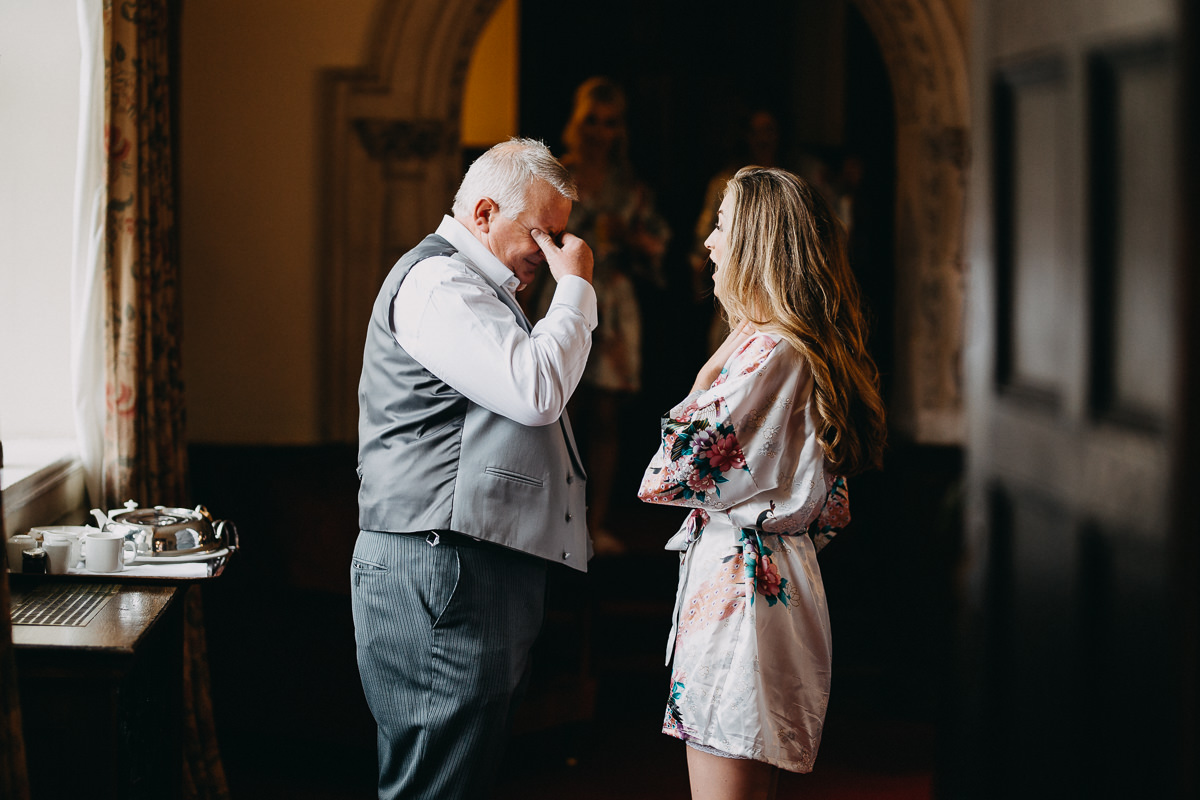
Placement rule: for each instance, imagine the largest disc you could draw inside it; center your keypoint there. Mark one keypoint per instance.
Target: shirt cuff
(574, 291)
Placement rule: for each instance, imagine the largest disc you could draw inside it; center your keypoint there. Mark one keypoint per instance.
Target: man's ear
(484, 213)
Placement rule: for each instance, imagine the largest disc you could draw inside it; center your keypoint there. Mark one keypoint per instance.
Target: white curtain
(87, 285)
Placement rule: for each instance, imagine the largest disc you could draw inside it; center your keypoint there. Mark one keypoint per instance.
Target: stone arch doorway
(392, 162)
(922, 45)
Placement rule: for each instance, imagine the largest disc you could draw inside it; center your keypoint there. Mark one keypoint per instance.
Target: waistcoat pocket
(513, 476)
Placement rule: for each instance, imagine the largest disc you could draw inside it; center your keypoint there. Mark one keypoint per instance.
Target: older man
(470, 481)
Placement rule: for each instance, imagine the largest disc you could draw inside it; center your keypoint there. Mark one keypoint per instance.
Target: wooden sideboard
(101, 702)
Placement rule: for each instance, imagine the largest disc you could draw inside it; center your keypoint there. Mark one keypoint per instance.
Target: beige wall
(249, 209)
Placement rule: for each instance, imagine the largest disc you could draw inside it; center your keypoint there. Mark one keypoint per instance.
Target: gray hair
(506, 171)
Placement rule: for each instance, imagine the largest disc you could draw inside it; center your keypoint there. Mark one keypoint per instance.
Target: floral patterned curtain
(145, 455)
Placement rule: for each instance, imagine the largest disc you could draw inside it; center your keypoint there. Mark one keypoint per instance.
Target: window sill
(43, 484)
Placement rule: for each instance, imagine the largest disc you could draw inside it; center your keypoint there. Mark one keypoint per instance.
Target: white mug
(58, 555)
(70, 533)
(107, 552)
(15, 546)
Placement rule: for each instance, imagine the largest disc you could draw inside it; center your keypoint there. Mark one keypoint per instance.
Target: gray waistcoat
(430, 459)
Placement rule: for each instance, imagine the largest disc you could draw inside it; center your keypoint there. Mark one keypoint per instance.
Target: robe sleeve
(834, 516)
(726, 445)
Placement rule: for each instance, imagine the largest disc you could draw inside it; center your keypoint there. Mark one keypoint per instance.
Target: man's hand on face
(574, 257)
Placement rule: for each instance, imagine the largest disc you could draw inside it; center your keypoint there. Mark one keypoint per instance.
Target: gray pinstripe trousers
(443, 636)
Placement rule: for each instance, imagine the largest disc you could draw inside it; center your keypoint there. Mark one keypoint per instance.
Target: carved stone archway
(392, 163)
(925, 55)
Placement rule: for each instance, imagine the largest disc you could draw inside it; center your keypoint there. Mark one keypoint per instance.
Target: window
(39, 94)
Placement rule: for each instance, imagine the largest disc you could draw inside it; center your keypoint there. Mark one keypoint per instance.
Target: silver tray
(208, 555)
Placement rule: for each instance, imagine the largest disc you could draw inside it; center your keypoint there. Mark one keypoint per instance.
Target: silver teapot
(166, 532)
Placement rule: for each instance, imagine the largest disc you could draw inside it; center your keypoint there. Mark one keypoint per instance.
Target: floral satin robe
(750, 642)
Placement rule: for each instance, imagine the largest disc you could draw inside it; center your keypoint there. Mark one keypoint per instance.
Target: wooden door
(1077, 658)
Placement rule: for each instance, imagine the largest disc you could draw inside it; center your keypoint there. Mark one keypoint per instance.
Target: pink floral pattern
(715, 600)
(761, 570)
(835, 514)
(725, 455)
(702, 454)
(769, 583)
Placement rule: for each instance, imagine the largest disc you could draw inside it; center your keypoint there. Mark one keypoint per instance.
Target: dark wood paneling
(1042, 675)
(14, 779)
(1131, 232)
(1027, 100)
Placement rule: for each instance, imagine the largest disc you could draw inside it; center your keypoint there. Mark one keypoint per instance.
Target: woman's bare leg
(716, 778)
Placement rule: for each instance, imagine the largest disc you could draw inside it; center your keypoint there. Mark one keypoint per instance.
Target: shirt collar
(457, 234)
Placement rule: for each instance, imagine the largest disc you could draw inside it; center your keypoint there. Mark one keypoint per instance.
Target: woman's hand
(716, 362)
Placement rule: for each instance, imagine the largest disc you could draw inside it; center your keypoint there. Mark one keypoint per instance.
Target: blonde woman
(785, 409)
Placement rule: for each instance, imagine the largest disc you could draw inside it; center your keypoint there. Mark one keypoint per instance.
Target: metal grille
(72, 604)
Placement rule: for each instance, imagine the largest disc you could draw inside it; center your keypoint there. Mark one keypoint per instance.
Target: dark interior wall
(870, 134)
(689, 72)
(692, 73)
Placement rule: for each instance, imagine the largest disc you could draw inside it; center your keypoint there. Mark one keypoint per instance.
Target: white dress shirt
(451, 321)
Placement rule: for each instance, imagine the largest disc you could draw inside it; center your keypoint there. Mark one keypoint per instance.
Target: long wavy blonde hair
(787, 272)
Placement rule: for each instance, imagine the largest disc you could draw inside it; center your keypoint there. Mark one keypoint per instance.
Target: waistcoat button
(570, 478)
(568, 516)
(566, 556)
